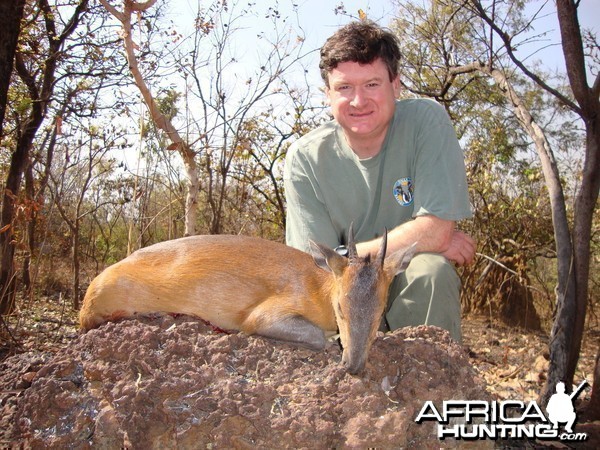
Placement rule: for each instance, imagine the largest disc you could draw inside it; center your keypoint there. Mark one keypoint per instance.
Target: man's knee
(432, 269)
(427, 293)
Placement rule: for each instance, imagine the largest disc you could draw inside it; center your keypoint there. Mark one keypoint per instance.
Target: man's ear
(398, 261)
(327, 258)
(397, 86)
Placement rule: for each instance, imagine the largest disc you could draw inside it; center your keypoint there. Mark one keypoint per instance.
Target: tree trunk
(594, 405)
(191, 200)
(569, 325)
(40, 92)
(36, 200)
(76, 265)
(572, 241)
(585, 204)
(18, 162)
(11, 13)
(562, 335)
(573, 247)
(31, 221)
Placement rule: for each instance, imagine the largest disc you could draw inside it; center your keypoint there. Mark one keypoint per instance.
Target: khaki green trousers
(427, 293)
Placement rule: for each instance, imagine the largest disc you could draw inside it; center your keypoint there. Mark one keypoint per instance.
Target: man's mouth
(361, 114)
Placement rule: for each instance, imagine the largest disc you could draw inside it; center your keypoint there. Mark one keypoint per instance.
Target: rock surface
(174, 382)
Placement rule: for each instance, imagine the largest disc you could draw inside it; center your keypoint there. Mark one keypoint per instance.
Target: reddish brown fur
(241, 283)
(222, 279)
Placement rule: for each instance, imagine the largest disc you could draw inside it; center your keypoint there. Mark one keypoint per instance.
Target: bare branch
(508, 45)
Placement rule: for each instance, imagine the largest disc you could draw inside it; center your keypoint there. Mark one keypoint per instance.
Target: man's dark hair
(362, 42)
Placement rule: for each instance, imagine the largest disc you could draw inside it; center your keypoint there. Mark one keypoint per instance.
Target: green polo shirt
(419, 171)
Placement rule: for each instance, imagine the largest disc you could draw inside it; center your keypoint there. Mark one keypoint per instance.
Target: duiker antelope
(255, 286)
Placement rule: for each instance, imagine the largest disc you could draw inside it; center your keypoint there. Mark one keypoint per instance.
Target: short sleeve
(440, 178)
(307, 217)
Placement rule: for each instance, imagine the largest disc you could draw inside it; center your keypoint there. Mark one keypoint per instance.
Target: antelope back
(221, 279)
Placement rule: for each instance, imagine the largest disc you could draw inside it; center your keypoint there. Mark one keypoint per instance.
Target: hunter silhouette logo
(509, 419)
(560, 406)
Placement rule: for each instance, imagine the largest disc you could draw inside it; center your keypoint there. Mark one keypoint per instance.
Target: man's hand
(462, 249)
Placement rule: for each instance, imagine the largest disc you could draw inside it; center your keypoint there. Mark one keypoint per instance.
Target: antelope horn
(352, 253)
(383, 248)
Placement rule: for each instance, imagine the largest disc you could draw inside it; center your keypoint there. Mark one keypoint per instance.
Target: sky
(319, 20)
(589, 18)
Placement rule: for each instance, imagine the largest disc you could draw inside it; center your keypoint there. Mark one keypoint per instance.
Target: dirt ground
(173, 382)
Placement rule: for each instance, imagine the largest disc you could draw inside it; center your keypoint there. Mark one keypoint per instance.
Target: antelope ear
(327, 258)
(398, 261)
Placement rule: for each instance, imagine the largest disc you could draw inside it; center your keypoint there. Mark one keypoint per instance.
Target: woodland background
(121, 128)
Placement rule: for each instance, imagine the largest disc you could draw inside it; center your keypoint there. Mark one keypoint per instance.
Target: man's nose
(359, 98)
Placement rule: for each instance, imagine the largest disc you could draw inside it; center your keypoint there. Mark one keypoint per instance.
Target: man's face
(362, 100)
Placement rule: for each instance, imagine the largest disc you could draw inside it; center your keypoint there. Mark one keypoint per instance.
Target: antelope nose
(353, 365)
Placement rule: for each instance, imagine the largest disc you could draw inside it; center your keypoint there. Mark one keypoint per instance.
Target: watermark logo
(510, 419)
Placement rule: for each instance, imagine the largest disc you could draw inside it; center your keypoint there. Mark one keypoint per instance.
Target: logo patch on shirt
(403, 191)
